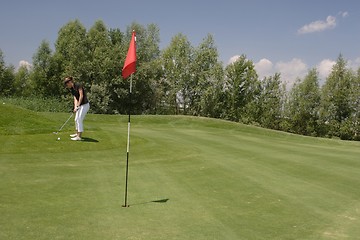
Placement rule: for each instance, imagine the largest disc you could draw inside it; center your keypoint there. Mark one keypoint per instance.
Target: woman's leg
(79, 118)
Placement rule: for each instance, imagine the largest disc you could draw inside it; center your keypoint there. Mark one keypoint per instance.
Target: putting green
(189, 178)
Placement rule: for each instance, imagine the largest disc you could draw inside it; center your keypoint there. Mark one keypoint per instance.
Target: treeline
(183, 79)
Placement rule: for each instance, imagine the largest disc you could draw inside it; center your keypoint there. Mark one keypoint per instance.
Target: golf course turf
(189, 178)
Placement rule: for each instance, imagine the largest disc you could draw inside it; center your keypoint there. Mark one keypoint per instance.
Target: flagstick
(128, 146)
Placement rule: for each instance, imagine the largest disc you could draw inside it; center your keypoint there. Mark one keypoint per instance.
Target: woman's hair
(68, 79)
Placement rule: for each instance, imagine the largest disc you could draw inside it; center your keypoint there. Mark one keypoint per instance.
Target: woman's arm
(75, 104)
(81, 96)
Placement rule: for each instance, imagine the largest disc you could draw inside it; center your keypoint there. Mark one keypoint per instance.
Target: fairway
(189, 178)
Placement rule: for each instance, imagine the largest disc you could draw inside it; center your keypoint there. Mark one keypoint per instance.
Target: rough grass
(189, 178)
(49, 104)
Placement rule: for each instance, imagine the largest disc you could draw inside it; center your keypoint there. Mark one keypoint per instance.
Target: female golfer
(81, 106)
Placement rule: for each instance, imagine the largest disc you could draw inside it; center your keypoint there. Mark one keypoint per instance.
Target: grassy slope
(222, 180)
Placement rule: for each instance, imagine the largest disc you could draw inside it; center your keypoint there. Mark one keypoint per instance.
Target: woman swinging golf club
(81, 106)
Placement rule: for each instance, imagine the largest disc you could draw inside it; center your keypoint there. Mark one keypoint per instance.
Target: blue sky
(287, 36)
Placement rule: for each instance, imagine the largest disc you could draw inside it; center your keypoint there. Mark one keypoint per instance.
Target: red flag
(130, 61)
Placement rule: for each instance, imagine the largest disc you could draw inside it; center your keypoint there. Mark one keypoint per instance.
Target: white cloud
(264, 68)
(324, 68)
(319, 26)
(233, 59)
(291, 71)
(354, 64)
(344, 14)
(24, 63)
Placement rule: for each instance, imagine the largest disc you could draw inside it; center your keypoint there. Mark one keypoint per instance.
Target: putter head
(55, 132)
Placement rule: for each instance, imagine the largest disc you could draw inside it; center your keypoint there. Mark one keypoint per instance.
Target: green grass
(189, 178)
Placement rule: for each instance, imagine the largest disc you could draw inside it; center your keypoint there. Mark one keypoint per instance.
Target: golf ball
(58, 139)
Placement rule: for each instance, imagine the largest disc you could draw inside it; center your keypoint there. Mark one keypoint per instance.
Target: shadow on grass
(86, 139)
(154, 201)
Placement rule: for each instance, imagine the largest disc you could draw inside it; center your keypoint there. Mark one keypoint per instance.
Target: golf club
(64, 124)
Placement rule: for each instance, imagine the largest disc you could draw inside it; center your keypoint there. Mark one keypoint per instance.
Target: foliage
(176, 61)
(241, 90)
(338, 104)
(270, 102)
(205, 72)
(303, 105)
(45, 70)
(7, 77)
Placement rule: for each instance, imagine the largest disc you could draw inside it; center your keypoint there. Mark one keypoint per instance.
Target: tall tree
(242, 87)
(355, 105)
(213, 98)
(22, 83)
(45, 76)
(336, 93)
(7, 75)
(72, 50)
(303, 106)
(117, 87)
(99, 49)
(100, 67)
(177, 73)
(204, 74)
(270, 102)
